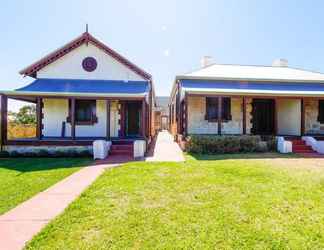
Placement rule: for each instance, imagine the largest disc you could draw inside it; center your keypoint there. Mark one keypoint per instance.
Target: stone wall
(198, 125)
(248, 115)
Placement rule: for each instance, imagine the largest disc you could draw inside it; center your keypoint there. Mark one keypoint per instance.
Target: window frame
(93, 117)
(226, 112)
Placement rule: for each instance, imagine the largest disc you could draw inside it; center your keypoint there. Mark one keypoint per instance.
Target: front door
(263, 112)
(133, 118)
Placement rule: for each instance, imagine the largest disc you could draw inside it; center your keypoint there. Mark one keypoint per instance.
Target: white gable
(70, 66)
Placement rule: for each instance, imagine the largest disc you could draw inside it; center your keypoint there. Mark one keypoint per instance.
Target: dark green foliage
(25, 115)
(4, 154)
(47, 154)
(214, 144)
(272, 143)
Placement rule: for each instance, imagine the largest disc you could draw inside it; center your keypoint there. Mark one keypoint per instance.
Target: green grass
(22, 178)
(221, 203)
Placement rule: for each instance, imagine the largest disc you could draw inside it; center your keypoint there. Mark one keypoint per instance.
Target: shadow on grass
(242, 156)
(40, 164)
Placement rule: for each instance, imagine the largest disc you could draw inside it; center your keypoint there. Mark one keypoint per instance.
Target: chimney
(280, 63)
(206, 61)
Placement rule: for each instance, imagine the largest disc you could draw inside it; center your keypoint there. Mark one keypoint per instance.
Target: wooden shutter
(226, 111)
(321, 111)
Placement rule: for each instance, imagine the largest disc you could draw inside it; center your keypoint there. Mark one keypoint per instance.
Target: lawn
(241, 203)
(22, 178)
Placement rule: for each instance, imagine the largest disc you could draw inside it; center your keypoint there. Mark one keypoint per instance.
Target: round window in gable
(89, 64)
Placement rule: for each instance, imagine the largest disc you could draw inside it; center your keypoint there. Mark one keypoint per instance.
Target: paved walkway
(20, 224)
(166, 149)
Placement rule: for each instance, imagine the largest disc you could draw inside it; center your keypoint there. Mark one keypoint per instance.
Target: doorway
(133, 118)
(263, 116)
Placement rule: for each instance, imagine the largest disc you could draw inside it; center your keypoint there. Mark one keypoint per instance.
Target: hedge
(215, 144)
(47, 154)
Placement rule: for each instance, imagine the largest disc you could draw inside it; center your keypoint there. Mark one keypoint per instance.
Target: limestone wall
(198, 125)
(248, 115)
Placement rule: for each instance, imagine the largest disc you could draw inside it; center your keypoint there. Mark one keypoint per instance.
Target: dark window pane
(84, 110)
(212, 108)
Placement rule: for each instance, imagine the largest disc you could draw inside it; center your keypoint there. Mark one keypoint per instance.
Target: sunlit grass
(201, 204)
(21, 178)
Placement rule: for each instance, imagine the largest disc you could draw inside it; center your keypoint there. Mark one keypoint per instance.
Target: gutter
(34, 93)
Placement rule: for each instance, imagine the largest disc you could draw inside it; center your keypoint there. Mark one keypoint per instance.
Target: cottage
(253, 100)
(161, 114)
(84, 91)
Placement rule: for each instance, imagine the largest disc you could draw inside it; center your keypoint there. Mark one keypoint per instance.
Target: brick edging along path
(20, 224)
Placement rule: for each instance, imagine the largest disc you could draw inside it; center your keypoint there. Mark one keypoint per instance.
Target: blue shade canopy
(284, 88)
(86, 86)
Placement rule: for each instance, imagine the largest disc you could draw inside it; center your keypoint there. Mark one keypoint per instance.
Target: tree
(25, 115)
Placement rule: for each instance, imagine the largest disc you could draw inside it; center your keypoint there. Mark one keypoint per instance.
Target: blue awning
(73, 86)
(264, 88)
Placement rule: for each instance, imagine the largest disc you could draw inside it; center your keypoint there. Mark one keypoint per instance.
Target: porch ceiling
(253, 88)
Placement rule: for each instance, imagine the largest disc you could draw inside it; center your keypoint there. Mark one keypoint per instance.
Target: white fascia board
(33, 93)
(206, 78)
(252, 92)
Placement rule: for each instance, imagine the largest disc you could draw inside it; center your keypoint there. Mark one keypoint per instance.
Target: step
(122, 147)
(121, 152)
(302, 151)
(298, 142)
(301, 147)
(123, 142)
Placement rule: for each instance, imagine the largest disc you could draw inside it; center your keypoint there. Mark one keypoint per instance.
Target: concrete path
(166, 149)
(20, 224)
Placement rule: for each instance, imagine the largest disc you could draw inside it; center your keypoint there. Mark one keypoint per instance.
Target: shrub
(249, 143)
(214, 144)
(14, 154)
(262, 146)
(4, 154)
(84, 153)
(43, 153)
(272, 143)
(46, 153)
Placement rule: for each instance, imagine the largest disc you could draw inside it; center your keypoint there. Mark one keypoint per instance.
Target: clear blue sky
(165, 37)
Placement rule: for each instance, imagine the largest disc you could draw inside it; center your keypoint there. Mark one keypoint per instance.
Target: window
(177, 105)
(321, 111)
(212, 109)
(85, 112)
(172, 113)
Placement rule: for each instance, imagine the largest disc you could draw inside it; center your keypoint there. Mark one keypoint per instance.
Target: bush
(214, 144)
(46, 153)
(4, 154)
(272, 144)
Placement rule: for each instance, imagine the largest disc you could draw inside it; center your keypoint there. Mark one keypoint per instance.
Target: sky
(167, 37)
